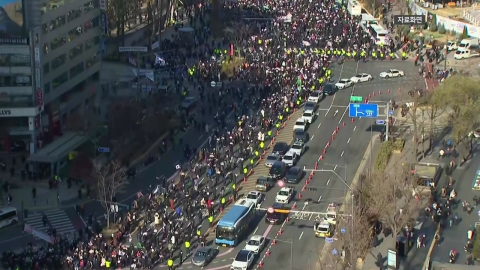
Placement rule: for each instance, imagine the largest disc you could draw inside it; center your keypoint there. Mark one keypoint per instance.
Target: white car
(315, 96)
(284, 195)
(255, 244)
(392, 73)
(309, 116)
(255, 197)
(298, 148)
(344, 83)
(243, 260)
(361, 77)
(300, 124)
(290, 159)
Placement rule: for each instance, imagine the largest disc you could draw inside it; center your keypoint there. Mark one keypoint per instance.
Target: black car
(265, 183)
(278, 170)
(280, 213)
(280, 148)
(299, 135)
(329, 89)
(294, 175)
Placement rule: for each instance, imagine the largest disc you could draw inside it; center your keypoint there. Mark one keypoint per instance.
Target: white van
(465, 54)
(8, 216)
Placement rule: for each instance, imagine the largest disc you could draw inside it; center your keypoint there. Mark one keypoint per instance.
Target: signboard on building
(19, 112)
(38, 73)
(104, 23)
(103, 5)
(12, 25)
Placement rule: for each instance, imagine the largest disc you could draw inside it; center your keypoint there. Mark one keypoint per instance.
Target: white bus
(354, 8)
(378, 33)
(8, 216)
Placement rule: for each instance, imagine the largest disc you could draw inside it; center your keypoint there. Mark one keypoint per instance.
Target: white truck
(466, 53)
(354, 8)
(452, 45)
(467, 43)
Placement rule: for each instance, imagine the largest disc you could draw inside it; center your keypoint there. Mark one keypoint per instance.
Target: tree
(465, 32)
(416, 115)
(433, 112)
(389, 196)
(441, 29)
(110, 177)
(82, 168)
(117, 15)
(433, 23)
(462, 106)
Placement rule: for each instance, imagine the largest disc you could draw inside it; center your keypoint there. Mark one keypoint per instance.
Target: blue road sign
(380, 122)
(328, 240)
(366, 110)
(334, 251)
(103, 149)
(342, 230)
(390, 113)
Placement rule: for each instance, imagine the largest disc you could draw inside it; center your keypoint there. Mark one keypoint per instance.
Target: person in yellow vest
(108, 263)
(187, 247)
(404, 55)
(210, 220)
(262, 145)
(199, 235)
(252, 161)
(170, 264)
(277, 125)
(222, 202)
(269, 133)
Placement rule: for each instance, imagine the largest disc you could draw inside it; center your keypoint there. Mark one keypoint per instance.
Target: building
(49, 68)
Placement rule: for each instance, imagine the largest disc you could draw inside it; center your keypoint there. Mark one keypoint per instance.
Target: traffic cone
(260, 264)
(316, 165)
(373, 94)
(274, 242)
(299, 195)
(388, 91)
(312, 173)
(325, 150)
(337, 128)
(294, 206)
(321, 157)
(333, 138)
(343, 124)
(366, 100)
(244, 179)
(352, 120)
(369, 95)
(334, 132)
(288, 219)
(303, 188)
(280, 232)
(267, 253)
(379, 92)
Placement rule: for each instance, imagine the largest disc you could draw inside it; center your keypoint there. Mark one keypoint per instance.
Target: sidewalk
(415, 257)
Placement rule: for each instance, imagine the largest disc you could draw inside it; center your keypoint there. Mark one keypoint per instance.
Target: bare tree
(390, 196)
(110, 177)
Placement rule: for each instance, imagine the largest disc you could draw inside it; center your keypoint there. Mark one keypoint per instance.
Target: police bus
(235, 224)
(378, 33)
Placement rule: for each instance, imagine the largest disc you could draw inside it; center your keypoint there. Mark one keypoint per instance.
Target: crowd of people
(289, 47)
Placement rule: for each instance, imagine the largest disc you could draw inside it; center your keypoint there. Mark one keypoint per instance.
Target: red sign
(40, 97)
(270, 210)
(280, 183)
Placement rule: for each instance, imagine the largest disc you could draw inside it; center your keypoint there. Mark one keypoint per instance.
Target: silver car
(203, 256)
(298, 148)
(271, 159)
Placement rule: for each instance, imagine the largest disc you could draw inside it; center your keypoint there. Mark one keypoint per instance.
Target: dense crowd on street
(287, 58)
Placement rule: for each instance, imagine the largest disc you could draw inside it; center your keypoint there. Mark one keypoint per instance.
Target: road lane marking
(255, 230)
(335, 167)
(312, 137)
(346, 109)
(326, 145)
(333, 133)
(348, 140)
(319, 125)
(343, 152)
(320, 198)
(354, 128)
(269, 228)
(303, 208)
(200, 138)
(328, 182)
(300, 236)
(336, 111)
(328, 109)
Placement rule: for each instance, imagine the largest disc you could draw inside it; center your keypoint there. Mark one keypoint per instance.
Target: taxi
(323, 229)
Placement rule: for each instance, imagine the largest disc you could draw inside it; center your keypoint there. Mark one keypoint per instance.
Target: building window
(77, 69)
(92, 42)
(58, 81)
(57, 42)
(90, 6)
(15, 60)
(92, 60)
(46, 68)
(59, 61)
(73, 14)
(57, 22)
(75, 32)
(75, 52)
(46, 88)
(18, 80)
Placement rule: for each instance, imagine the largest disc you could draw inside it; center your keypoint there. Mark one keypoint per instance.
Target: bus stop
(56, 153)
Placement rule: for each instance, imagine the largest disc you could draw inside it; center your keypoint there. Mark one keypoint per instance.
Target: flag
(299, 81)
(159, 61)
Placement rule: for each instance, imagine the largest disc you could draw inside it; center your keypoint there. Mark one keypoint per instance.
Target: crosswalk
(57, 218)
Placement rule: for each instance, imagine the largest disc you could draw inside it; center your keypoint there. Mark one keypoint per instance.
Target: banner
(145, 72)
(104, 23)
(29, 229)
